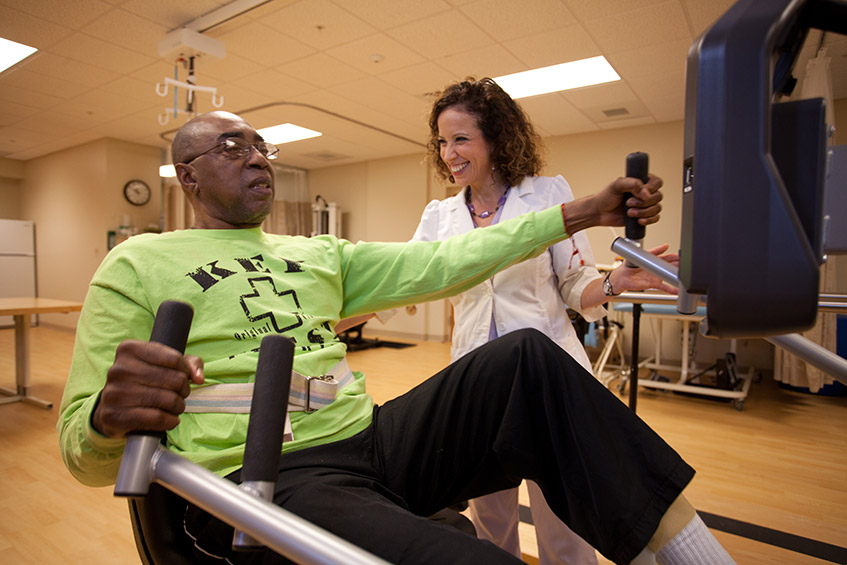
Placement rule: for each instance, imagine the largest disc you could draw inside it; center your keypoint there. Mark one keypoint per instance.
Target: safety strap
(307, 394)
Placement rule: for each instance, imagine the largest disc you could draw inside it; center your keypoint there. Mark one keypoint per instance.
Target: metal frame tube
(814, 354)
(800, 346)
(646, 260)
(278, 529)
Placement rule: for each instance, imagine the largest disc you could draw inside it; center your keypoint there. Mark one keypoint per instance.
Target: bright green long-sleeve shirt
(245, 284)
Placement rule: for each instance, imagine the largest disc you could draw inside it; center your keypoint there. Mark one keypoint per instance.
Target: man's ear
(187, 177)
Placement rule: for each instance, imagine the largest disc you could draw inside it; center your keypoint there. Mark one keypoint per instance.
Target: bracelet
(565, 219)
(607, 285)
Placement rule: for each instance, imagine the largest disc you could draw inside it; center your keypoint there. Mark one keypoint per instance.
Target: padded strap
(307, 394)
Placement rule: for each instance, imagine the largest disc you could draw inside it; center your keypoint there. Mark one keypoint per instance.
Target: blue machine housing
(753, 186)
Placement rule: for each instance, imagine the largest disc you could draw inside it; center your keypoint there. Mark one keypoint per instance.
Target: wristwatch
(607, 285)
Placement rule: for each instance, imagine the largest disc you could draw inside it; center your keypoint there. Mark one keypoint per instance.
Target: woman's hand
(625, 278)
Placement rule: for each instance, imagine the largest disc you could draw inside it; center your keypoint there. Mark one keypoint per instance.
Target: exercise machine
(759, 181)
(248, 507)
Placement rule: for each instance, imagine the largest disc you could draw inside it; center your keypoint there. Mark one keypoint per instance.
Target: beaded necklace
(485, 213)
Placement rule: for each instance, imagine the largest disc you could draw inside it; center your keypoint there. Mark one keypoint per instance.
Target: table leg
(683, 378)
(21, 392)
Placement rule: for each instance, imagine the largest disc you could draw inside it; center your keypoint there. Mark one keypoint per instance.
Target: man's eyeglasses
(236, 148)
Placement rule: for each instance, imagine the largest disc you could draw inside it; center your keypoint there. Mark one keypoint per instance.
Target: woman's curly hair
(515, 145)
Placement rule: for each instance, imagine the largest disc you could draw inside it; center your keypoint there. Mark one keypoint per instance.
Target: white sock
(694, 545)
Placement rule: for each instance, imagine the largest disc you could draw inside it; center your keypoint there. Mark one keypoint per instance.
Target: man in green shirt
(520, 408)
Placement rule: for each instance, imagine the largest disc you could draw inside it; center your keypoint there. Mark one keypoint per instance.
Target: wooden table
(22, 309)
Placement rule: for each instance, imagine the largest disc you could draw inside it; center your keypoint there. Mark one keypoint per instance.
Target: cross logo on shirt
(264, 287)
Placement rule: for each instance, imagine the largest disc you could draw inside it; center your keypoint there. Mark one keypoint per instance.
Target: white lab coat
(531, 294)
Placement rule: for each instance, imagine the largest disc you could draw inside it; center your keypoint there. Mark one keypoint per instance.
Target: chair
(158, 530)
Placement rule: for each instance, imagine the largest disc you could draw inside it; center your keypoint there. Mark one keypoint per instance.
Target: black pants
(518, 407)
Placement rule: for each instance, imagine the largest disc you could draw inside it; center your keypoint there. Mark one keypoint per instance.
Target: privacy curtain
(292, 209)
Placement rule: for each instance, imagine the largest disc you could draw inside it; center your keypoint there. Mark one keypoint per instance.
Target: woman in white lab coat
(482, 140)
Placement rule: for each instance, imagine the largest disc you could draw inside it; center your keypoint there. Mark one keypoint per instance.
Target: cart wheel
(739, 404)
(624, 379)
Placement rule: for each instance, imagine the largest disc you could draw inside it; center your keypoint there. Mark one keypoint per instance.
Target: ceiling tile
(131, 90)
(55, 120)
(261, 12)
(561, 45)
(168, 13)
(98, 67)
(507, 19)
(13, 138)
(321, 70)
(272, 84)
(68, 14)
(29, 30)
(701, 14)
(44, 84)
(11, 112)
(263, 44)
(56, 66)
(378, 95)
(210, 70)
(319, 24)
(556, 115)
(652, 60)
(120, 27)
(442, 35)
(491, 61)
(235, 100)
(26, 97)
(101, 109)
(386, 14)
(666, 108)
(101, 53)
(420, 79)
(641, 27)
(585, 10)
(375, 54)
(603, 95)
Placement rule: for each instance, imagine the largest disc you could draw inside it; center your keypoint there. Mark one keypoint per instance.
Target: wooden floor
(780, 463)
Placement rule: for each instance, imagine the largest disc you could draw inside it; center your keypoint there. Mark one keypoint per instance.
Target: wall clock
(137, 192)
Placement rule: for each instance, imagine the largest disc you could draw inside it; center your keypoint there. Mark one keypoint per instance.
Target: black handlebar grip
(637, 166)
(267, 412)
(171, 327)
(172, 324)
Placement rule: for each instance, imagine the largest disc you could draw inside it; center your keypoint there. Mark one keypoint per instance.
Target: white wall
(11, 175)
(75, 197)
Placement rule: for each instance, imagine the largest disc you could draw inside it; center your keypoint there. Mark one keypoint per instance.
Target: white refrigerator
(17, 261)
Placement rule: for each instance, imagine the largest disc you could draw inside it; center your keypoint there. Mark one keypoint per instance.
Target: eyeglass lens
(236, 147)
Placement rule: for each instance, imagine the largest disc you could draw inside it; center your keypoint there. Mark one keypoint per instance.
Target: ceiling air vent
(614, 112)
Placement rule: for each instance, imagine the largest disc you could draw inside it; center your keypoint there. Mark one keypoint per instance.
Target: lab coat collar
(514, 206)
(516, 202)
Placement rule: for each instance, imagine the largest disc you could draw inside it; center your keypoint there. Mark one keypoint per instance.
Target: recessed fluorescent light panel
(576, 74)
(11, 53)
(286, 133)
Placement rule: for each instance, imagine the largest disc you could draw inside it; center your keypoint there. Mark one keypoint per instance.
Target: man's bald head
(197, 130)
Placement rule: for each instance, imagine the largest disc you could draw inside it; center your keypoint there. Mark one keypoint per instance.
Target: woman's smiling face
(463, 147)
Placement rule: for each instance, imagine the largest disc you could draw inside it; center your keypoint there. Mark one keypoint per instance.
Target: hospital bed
(692, 380)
